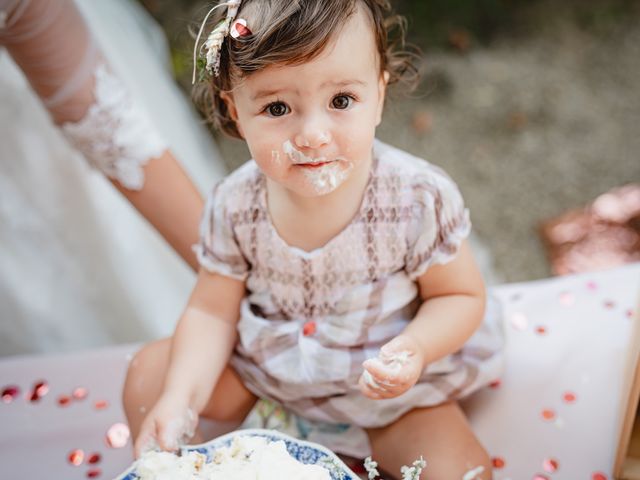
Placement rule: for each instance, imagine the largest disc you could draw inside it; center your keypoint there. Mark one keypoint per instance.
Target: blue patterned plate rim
(339, 471)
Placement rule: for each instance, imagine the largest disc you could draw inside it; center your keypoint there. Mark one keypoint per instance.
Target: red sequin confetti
(10, 393)
(94, 458)
(629, 313)
(569, 397)
(80, 393)
(40, 389)
(609, 304)
(76, 457)
(498, 462)
(118, 435)
(309, 328)
(101, 404)
(540, 330)
(592, 286)
(550, 465)
(540, 477)
(495, 383)
(64, 400)
(599, 476)
(567, 299)
(94, 473)
(548, 414)
(519, 321)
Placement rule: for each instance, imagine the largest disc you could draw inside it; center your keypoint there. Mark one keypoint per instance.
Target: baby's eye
(277, 109)
(342, 101)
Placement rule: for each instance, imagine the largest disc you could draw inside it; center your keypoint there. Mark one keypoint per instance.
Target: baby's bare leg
(230, 401)
(440, 434)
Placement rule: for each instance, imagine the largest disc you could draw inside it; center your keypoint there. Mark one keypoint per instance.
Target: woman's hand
(396, 369)
(169, 424)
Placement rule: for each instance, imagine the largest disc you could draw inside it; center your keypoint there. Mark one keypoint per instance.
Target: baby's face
(310, 127)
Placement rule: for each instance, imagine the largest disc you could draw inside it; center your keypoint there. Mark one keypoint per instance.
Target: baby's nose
(312, 136)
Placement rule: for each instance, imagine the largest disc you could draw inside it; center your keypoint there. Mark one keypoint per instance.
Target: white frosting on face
(247, 458)
(325, 178)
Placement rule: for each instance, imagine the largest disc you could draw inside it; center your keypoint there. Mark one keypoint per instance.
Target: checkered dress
(310, 319)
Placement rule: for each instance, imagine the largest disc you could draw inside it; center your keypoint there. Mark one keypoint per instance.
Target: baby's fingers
(146, 440)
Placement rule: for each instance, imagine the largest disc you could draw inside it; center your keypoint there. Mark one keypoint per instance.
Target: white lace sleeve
(51, 43)
(115, 135)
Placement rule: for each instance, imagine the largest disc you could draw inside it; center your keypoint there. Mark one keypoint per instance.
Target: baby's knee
(472, 463)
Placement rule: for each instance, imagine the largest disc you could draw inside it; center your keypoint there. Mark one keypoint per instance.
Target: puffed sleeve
(218, 250)
(440, 222)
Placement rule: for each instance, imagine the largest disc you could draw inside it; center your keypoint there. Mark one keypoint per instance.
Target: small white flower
(371, 467)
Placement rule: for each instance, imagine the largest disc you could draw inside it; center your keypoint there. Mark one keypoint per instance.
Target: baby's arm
(453, 305)
(200, 349)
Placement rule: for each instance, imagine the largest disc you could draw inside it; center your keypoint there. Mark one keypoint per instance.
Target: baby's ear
(382, 90)
(229, 101)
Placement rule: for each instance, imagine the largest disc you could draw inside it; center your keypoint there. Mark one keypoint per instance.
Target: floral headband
(236, 28)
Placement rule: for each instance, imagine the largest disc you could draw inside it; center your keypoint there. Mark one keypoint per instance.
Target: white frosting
(473, 474)
(247, 458)
(325, 178)
(392, 363)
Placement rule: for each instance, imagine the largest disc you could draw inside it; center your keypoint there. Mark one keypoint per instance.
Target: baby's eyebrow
(332, 83)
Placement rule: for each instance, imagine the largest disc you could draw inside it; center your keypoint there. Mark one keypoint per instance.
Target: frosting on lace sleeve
(115, 135)
(441, 223)
(218, 250)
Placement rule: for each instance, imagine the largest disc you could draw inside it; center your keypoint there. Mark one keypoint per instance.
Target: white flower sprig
(413, 473)
(408, 473)
(216, 37)
(371, 467)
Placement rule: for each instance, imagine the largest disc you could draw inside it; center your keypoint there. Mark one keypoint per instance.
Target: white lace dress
(311, 318)
(78, 266)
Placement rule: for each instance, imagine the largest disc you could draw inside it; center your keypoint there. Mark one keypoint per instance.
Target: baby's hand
(395, 370)
(169, 424)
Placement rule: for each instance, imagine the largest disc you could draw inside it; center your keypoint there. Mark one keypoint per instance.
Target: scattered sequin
(592, 286)
(117, 435)
(64, 400)
(567, 299)
(540, 477)
(519, 321)
(629, 313)
(609, 304)
(40, 389)
(550, 465)
(548, 414)
(76, 457)
(498, 462)
(309, 328)
(540, 330)
(599, 476)
(94, 473)
(495, 383)
(94, 458)
(569, 397)
(10, 393)
(80, 393)
(101, 404)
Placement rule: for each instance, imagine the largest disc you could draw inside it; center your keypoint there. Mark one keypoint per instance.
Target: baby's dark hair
(290, 32)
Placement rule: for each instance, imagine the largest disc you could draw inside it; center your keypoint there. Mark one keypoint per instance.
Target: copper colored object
(10, 393)
(601, 235)
(117, 435)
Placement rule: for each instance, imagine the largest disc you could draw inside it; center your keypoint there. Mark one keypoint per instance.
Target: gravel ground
(538, 122)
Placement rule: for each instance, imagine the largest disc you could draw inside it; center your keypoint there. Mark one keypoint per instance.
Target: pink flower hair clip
(216, 37)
